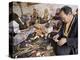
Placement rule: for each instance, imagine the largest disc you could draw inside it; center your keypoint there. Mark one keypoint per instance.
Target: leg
(62, 50)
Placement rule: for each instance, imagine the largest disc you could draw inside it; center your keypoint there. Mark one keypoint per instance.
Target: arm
(72, 39)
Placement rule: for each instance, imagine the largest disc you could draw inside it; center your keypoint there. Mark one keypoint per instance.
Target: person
(57, 17)
(16, 23)
(76, 13)
(67, 38)
(15, 26)
(26, 18)
(57, 21)
(45, 17)
(34, 17)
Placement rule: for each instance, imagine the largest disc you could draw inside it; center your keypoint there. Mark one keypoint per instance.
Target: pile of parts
(33, 42)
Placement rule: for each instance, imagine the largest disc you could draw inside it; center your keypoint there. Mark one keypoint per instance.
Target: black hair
(13, 16)
(66, 9)
(77, 10)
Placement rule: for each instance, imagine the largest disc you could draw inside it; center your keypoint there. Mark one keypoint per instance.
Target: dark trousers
(65, 50)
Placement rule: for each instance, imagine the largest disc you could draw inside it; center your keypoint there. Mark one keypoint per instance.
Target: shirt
(14, 27)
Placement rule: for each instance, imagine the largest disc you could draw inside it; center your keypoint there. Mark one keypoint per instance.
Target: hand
(62, 41)
(55, 38)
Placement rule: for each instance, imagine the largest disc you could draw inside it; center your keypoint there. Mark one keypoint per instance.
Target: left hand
(62, 41)
(55, 38)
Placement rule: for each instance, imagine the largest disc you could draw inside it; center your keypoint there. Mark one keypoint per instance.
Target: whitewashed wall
(40, 8)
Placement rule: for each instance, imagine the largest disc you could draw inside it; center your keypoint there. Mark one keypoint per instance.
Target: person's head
(13, 16)
(34, 11)
(66, 13)
(77, 11)
(57, 10)
(35, 14)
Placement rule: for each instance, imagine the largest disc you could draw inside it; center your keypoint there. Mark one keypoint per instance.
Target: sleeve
(73, 39)
(60, 32)
(72, 42)
(16, 27)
